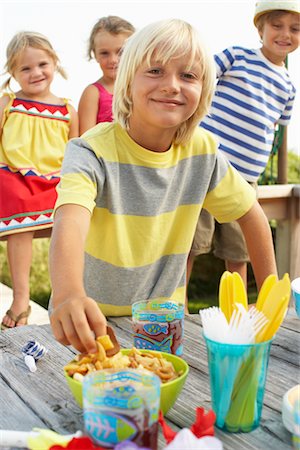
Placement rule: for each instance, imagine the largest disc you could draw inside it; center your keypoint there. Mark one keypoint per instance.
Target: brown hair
(19, 43)
(271, 15)
(111, 24)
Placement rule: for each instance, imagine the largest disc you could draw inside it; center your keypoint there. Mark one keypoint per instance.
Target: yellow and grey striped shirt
(145, 206)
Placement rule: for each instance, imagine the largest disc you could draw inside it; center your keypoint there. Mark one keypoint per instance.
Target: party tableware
(242, 328)
(121, 404)
(238, 371)
(231, 291)
(169, 390)
(295, 284)
(158, 325)
(237, 382)
(226, 294)
(289, 403)
(32, 352)
(36, 438)
(265, 289)
(275, 308)
(239, 290)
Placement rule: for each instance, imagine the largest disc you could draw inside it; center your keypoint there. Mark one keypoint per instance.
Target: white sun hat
(263, 6)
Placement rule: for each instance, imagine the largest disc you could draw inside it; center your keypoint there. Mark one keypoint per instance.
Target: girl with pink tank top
(104, 113)
(106, 41)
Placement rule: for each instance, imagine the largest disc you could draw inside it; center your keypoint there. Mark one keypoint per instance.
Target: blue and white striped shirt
(252, 95)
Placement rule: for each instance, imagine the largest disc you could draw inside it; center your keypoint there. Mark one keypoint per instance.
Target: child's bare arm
(74, 125)
(258, 236)
(74, 314)
(88, 108)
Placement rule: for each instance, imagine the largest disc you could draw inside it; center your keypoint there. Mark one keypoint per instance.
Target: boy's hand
(78, 321)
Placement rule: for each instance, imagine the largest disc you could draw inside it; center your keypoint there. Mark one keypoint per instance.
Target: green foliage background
(39, 275)
(203, 286)
(270, 174)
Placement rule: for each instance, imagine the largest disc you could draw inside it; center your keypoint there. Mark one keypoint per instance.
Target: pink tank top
(105, 104)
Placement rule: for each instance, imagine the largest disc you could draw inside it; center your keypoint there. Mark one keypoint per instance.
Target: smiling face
(34, 71)
(164, 95)
(164, 84)
(280, 36)
(107, 50)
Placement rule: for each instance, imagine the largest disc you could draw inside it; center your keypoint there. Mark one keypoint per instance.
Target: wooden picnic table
(43, 399)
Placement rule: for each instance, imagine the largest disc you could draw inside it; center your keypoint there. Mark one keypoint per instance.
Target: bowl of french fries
(171, 369)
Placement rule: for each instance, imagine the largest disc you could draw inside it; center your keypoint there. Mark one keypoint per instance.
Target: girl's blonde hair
(167, 39)
(111, 24)
(19, 43)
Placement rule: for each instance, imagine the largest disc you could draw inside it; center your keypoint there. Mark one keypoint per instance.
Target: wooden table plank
(44, 392)
(42, 399)
(30, 419)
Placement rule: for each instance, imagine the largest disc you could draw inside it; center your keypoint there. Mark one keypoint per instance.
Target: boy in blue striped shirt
(253, 94)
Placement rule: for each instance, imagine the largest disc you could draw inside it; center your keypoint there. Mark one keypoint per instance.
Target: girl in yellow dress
(35, 126)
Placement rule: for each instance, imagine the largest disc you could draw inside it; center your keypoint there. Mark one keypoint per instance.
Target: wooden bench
(282, 203)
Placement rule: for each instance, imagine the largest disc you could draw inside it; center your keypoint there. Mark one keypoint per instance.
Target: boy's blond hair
(166, 38)
(19, 43)
(112, 24)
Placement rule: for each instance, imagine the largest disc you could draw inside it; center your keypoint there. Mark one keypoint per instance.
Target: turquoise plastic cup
(295, 285)
(237, 382)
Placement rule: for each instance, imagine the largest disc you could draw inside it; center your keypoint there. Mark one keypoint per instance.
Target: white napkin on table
(187, 440)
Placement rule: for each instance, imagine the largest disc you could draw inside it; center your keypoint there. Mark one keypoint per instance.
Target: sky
(68, 24)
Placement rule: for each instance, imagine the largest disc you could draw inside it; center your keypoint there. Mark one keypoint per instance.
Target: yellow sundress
(32, 146)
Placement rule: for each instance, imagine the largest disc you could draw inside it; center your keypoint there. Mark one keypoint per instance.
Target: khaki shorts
(226, 240)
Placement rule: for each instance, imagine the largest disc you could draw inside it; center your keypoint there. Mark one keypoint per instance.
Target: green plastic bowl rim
(166, 355)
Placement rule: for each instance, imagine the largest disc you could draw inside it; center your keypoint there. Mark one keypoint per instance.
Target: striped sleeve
(252, 95)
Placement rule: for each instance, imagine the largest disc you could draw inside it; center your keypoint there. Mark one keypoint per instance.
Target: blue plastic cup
(295, 285)
(237, 383)
(121, 405)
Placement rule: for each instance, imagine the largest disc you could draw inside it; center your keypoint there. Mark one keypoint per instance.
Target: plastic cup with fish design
(121, 405)
(158, 325)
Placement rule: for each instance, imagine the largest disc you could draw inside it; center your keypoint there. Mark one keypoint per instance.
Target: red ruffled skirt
(26, 202)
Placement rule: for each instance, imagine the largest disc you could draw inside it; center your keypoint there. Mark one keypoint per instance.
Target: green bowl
(169, 391)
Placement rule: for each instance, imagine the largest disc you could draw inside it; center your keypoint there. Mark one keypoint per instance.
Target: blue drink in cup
(158, 325)
(121, 405)
(237, 382)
